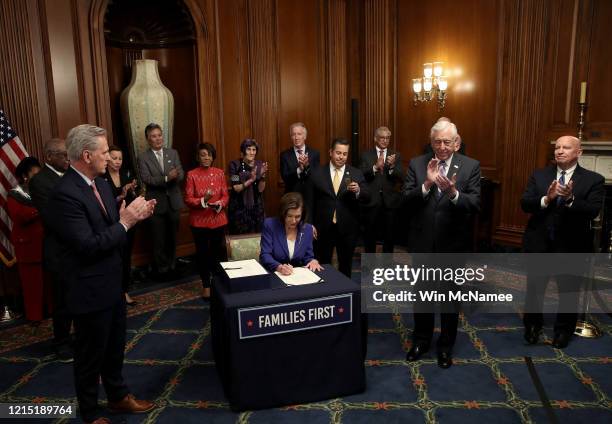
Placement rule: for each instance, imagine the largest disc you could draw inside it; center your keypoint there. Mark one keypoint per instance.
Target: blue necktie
(561, 200)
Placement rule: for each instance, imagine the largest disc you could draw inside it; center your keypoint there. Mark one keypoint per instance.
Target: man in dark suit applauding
(383, 171)
(90, 232)
(562, 200)
(335, 192)
(297, 162)
(160, 169)
(443, 191)
(41, 187)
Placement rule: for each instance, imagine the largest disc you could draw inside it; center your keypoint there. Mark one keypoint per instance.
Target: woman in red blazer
(27, 236)
(206, 196)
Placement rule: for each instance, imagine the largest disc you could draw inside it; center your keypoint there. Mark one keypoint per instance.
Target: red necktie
(97, 194)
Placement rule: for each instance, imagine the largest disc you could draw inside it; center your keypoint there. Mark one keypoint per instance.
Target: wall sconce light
(433, 85)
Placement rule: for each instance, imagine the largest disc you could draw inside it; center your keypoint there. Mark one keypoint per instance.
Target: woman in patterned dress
(248, 181)
(207, 198)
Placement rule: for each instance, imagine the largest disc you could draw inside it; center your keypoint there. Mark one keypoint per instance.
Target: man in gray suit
(161, 171)
(442, 190)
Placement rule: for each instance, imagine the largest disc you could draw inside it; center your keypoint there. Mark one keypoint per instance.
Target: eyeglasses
(61, 153)
(386, 137)
(447, 143)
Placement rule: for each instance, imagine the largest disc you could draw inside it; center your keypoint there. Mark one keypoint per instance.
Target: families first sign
(295, 316)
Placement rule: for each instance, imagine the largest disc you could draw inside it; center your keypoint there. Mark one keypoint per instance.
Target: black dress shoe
(416, 352)
(445, 360)
(561, 340)
(132, 303)
(532, 334)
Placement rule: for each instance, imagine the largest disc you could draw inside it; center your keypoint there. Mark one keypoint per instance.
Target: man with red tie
(89, 233)
(384, 174)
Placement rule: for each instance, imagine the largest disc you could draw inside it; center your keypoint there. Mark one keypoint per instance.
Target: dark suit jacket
(168, 194)
(388, 182)
(41, 186)
(572, 225)
(125, 177)
(438, 225)
(274, 250)
(289, 165)
(88, 244)
(323, 201)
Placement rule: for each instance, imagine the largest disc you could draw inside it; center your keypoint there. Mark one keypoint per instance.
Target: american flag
(11, 153)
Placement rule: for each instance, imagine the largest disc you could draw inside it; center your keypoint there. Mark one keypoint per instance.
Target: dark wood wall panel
(469, 48)
(65, 58)
(210, 120)
(232, 39)
(18, 85)
(522, 87)
(562, 61)
(302, 92)
(338, 111)
(378, 96)
(599, 116)
(264, 87)
(578, 50)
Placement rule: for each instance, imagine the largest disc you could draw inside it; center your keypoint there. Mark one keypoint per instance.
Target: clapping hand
(172, 174)
(551, 193)
(303, 161)
(447, 186)
(391, 161)
(137, 211)
(566, 191)
(432, 171)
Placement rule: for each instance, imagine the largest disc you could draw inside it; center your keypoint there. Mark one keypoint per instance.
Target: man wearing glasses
(41, 187)
(384, 174)
(443, 193)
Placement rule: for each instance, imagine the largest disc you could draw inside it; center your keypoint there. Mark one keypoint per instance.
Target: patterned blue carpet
(169, 360)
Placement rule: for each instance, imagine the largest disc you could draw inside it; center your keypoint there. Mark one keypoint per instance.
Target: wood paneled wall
(262, 64)
(24, 95)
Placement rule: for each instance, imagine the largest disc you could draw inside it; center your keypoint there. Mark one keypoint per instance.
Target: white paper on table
(246, 268)
(300, 277)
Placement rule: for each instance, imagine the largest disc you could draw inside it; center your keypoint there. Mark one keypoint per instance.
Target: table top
(334, 282)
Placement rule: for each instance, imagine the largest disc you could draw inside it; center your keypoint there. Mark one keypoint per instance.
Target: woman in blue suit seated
(287, 241)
